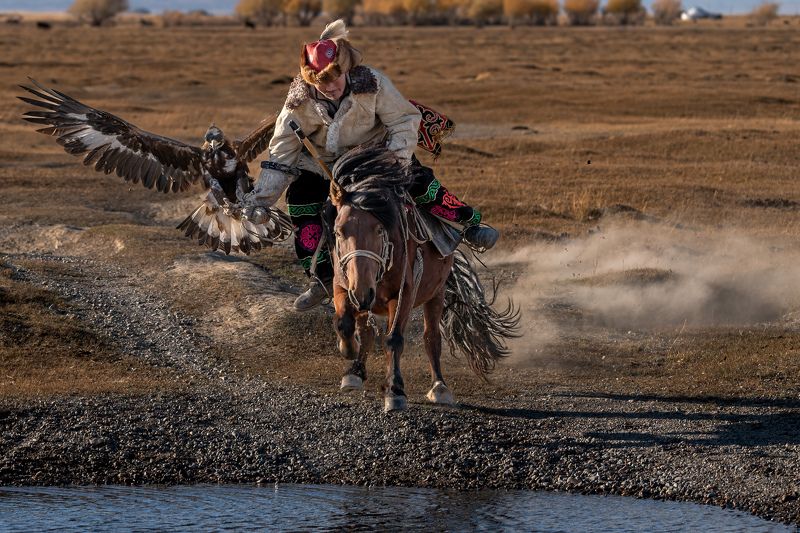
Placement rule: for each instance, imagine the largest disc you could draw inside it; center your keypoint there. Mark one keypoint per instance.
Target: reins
(386, 259)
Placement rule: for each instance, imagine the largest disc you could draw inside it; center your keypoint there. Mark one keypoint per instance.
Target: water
(328, 507)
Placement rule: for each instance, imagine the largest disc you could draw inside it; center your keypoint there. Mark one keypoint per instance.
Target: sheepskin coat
(373, 111)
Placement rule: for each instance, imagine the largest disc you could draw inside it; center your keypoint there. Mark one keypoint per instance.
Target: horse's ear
(337, 192)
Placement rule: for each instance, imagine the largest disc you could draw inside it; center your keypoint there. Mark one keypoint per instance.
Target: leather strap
(281, 168)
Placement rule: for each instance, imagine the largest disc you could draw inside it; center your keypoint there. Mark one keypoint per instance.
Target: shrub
(581, 12)
(765, 13)
(263, 12)
(304, 11)
(384, 11)
(344, 9)
(371, 12)
(539, 12)
(624, 12)
(544, 12)
(98, 11)
(418, 10)
(665, 12)
(483, 11)
(452, 11)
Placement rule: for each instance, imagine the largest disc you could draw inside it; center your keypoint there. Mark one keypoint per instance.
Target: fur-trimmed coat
(373, 111)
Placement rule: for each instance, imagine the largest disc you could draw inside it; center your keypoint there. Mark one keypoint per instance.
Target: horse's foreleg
(356, 374)
(344, 322)
(432, 311)
(393, 389)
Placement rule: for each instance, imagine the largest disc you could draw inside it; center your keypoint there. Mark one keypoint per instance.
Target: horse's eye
(380, 230)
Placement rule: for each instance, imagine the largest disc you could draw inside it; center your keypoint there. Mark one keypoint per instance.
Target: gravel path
(233, 428)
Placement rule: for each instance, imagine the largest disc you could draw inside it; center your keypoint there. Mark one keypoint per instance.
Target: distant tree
(304, 11)
(765, 13)
(483, 11)
(371, 12)
(382, 12)
(625, 12)
(453, 10)
(538, 12)
(581, 12)
(262, 12)
(665, 12)
(419, 11)
(344, 9)
(516, 10)
(98, 11)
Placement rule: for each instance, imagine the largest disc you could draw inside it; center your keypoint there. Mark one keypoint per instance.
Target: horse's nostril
(366, 303)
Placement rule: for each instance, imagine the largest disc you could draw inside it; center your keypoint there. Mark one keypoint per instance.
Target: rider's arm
(285, 149)
(400, 117)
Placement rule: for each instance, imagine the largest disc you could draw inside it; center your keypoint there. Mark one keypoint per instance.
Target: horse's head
(366, 189)
(364, 253)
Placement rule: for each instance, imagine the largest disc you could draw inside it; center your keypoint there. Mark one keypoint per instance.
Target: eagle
(111, 144)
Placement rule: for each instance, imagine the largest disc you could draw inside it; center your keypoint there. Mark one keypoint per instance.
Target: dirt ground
(645, 181)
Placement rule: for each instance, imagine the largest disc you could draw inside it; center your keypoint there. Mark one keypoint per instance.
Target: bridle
(385, 260)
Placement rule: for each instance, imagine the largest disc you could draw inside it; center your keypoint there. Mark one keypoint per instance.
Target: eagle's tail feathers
(215, 228)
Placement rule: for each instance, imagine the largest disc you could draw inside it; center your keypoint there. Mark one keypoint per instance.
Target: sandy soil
(645, 184)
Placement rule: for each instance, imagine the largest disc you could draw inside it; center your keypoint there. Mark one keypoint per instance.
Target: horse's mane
(374, 179)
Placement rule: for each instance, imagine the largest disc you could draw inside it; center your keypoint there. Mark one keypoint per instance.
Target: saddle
(433, 229)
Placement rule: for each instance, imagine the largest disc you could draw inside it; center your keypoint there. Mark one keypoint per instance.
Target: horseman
(340, 104)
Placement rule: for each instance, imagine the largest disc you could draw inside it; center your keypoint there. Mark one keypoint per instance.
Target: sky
(791, 7)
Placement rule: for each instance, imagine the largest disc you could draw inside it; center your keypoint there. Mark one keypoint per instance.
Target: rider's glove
(269, 187)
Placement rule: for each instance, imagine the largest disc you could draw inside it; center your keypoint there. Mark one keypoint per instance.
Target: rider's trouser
(308, 193)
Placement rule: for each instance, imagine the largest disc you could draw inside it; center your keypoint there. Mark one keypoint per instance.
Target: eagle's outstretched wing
(257, 141)
(112, 144)
(218, 224)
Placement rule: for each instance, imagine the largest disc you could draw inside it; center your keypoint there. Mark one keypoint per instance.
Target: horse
(383, 266)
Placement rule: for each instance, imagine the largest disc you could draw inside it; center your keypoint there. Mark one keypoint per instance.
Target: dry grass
(545, 141)
(45, 350)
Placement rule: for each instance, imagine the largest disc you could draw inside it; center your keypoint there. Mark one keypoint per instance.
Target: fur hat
(325, 60)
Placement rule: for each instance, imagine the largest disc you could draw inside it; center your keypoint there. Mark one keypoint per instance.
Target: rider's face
(333, 90)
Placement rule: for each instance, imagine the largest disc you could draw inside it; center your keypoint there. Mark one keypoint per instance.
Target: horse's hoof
(394, 403)
(351, 383)
(440, 394)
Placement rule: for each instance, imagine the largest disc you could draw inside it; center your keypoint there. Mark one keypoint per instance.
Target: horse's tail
(470, 324)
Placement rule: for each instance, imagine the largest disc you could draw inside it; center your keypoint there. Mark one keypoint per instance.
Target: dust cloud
(648, 277)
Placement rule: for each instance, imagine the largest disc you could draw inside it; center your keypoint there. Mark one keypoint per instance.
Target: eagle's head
(214, 139)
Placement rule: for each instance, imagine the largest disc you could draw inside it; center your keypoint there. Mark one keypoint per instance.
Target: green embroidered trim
(321, 258)
(304, 209)
(475, 220)
(433, 190)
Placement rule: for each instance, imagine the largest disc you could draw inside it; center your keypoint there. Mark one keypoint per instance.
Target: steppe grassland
(692, 127)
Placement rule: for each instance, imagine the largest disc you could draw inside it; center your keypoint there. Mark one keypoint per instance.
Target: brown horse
(382, 267)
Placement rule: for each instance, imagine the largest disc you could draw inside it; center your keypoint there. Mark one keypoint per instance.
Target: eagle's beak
(212, 145)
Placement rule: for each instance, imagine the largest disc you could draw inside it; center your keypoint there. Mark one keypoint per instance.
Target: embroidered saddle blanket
(433, 129)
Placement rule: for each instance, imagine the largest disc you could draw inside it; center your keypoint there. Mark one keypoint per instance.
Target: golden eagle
(114, 145)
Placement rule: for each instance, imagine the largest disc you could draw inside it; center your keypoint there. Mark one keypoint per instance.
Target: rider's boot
(481, 237)
(315, 294)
